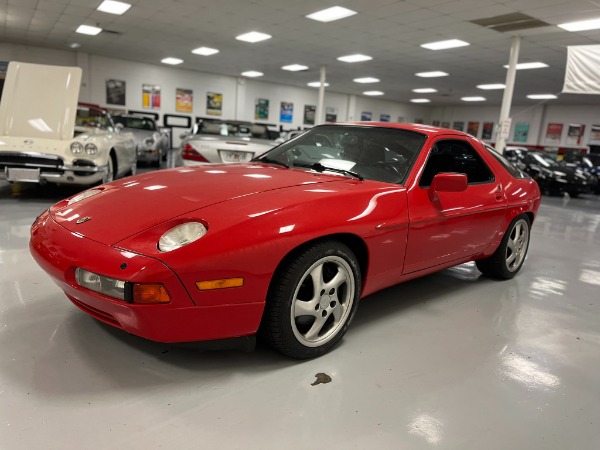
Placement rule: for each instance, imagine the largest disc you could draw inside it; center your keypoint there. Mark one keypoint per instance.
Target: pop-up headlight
(181, 235)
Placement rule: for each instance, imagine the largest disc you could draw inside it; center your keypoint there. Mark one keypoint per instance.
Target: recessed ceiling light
(295, 67)
(443, 45)
(424, 90)
(420, 100)
(542, 96)
(582, 25)
(373, 93)
(433, 74)
(74, 45)
(253, 36)
(112, 7)
(316, 84)
(88, 29)
(354, 58)
(366, 80)
(205, 51)
(531, 65)
(171, 61)
(489, 87)
(252, 74)
(473, 99)
(331, 14)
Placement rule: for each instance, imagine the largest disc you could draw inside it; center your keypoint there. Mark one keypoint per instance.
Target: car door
(457, 224)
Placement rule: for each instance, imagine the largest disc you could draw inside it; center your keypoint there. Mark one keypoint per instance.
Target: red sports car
(287, 245)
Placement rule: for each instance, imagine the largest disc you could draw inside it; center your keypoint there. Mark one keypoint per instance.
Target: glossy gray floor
(452, 361)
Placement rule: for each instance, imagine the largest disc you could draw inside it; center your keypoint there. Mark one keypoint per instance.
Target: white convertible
(46, 137)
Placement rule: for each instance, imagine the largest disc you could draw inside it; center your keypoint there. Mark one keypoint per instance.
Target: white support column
(320, 105)
(508, 94)
(350, 116)
(240, 99)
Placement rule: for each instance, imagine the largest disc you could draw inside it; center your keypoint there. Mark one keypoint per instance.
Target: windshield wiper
(271, 161)
(321, 168)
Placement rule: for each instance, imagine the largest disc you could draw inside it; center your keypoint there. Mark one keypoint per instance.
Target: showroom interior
(453, 360)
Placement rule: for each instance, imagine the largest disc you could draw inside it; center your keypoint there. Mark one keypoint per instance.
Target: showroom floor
(451, 361)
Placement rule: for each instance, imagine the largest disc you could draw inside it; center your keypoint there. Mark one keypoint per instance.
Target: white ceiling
(391, 31)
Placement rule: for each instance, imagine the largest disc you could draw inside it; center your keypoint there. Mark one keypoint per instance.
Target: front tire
(110, 175)
(312, 300)
(508, 259)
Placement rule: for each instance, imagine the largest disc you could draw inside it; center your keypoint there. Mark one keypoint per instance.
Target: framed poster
(595, 135)
(575, 134)
(435, 123)
(310, 112)
(487, 129)
(420, 121)
(458, 126)
(214, 103)
(330, 114)
(184, 100)
(115, 92)
(473, 128)
(384, 117)
(521, 132)
(286, 112)
(151, 96)
(554, 133)
(261, 108)
(366, 116)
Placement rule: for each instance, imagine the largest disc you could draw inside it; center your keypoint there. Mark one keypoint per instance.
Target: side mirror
(447, 182)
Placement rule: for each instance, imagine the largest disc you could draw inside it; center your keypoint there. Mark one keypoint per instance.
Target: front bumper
(148, 155)
(59, 252)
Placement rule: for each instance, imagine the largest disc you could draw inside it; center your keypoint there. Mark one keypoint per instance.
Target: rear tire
(508, 259)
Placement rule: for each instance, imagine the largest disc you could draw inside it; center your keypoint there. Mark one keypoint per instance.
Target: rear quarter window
(510, 168)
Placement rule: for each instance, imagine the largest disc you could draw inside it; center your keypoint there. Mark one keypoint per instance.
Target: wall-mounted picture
(575, 134)
(419, 121)
(554, 133)
(458, 126)
(214, 103)
(473, 128)
(286, 112)
(115, 92)
(184, 100)
(330, 114)
(261, 108)
(151, 96)
(595, 134)
(309, 114)
(521, 132)
(384, 117)
(487, 129)
(366, 116)
(435, 123)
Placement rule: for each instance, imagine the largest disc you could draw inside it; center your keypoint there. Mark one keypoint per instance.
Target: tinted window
(458, 157)
(514, 171)
(139, 123)
(233, 129)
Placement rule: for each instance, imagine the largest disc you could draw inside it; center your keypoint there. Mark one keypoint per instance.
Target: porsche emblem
(83, 220)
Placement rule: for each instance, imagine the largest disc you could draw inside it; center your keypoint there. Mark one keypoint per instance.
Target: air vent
(118, 33)
(510, 22)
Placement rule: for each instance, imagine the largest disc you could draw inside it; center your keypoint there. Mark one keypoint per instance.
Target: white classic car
(47, 137)
(152, 145)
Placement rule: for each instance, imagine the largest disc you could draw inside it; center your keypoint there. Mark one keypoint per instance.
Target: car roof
(429, 130)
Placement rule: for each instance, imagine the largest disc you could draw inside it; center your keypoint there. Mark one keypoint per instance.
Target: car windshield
(91, 118)
(139, 123)
(235, 129)
(381, 154)
(544, 161)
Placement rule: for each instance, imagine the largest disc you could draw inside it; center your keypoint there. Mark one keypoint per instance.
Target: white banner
(582, 75)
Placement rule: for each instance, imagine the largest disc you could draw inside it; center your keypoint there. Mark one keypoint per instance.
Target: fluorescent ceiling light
(420, 100)
(295, 67)
(87, 29)
(171, 61)
(542, 96)
(473, 99)
(424, 90)
(331, 14)
(112, 7)
(443, 45)
(354, 58)
(531, 65)
(366, 80)
(373, 93)
(252, 74)
(582, 25)
(316, 84)
(489, 87)
(74, 45)
(205, 51)
(433, 74)
(253, 36)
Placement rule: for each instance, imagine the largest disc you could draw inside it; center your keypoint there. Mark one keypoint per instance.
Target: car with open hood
(286, 245)
(47, 137)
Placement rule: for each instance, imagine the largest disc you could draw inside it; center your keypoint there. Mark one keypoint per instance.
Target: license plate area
(235, 156)
(19, 174)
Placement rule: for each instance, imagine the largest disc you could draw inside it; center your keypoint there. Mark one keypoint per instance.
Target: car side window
(453, 155)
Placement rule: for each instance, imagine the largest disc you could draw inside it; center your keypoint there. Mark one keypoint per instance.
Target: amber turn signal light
(148, 294)
(220, 284)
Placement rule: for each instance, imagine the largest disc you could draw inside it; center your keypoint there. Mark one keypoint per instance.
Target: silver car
(152, 145)
(221, 141)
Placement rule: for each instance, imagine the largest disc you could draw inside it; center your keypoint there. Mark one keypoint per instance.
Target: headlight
(83, 195)
(101, 284)
(76, 148)
(181, 235)
(91, 149)
(149, 141)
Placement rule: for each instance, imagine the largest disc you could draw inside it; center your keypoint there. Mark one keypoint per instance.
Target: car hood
(126, 207)
(39, 102)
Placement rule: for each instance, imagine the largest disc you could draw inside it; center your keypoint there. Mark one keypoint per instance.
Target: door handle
(499, 193)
